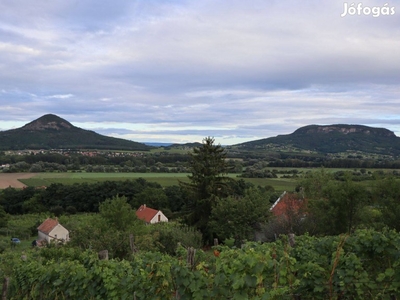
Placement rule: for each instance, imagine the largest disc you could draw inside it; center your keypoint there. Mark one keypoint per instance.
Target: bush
(170, 234)
(4, 244)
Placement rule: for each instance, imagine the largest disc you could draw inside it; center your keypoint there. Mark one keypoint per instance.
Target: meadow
(17, 180)
(164, 179)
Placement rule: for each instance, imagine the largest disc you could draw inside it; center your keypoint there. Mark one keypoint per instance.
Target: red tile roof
(286, 204)
(48, 225)
(146, 213)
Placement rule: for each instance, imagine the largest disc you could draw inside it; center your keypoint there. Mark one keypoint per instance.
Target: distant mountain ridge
(48, 121)
(333, 139)
(52, 132)
(345, 129)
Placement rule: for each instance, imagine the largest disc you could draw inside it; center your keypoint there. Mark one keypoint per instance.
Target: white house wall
(60, 233)
(43, 236)
(163, 218)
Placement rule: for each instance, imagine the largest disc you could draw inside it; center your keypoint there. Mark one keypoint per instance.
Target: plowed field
(11, 179)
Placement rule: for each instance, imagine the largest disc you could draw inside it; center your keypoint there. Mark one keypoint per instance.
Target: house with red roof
(150, 215)
(51, 229)
(288, 205)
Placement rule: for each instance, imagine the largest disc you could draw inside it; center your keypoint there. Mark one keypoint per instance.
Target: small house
(288, 205)
(150, 215)
(51, 229)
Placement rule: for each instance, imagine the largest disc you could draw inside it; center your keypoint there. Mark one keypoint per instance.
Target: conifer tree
(208, 182)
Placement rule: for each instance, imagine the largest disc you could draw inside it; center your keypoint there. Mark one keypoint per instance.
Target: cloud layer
(181, 70)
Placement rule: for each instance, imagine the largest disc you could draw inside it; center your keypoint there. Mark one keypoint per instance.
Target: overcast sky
(178, 71)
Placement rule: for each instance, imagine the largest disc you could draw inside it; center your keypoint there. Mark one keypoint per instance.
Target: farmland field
(45, 179)
(13, 179)
(18, 180)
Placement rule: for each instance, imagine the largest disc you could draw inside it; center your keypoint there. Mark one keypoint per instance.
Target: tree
(110, 229)
(313, 183)
(3, 217)
(387, 200)
(152, 196)
(208, 182)
(335, 207)
(240, 217)
(117, 213)
(176, 197)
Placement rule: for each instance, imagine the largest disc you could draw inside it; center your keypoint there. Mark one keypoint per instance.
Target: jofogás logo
(374, 11)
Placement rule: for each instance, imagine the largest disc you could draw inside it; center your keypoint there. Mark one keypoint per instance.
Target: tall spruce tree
(208, 182)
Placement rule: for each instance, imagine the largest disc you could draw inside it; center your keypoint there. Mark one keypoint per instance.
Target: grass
(45, 179)
(279, 184)
(165, 179)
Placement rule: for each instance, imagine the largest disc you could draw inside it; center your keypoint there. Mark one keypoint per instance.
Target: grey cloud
(232, 66)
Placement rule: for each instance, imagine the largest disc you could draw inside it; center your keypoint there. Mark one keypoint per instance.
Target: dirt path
(11, 179)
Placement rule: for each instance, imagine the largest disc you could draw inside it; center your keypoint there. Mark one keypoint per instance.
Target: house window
(159, 218)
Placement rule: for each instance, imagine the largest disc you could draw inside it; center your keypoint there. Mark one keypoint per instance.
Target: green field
(165, 179)
(168, 179)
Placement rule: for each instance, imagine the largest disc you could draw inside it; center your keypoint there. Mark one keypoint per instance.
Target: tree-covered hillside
(332, 139)
(53, 132)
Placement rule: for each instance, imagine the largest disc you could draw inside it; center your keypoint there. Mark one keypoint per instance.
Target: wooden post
(191, 252)
(215, 242)
(292, 241)
(132, 244)
(6, 282)
(103, 255)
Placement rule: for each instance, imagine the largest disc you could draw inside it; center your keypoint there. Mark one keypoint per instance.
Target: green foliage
(208, 168)
(33, 205)
(171, 234)
(313, 183)
(239, 217)
(83, 197)
(24, 226)
(3, 217)
(334, 207)
(387, 198)
(177, 197)
(363, 265)
(110, 229)
(152, 197)
(118, 214)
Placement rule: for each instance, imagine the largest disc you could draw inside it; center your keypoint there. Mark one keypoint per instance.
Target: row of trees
(86, 197)
(254, 162)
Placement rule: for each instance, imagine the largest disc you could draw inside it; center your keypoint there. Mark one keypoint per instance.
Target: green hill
(53, 132)
(332, 139)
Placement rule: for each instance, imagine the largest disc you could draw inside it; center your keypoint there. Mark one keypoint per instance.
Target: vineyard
(364, 265)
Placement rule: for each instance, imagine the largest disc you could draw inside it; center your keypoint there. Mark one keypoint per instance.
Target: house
(51, 229)
(288, 205)
(150, 215)
(289, 212)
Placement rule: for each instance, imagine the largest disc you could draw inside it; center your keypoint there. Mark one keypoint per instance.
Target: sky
(178, 71)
